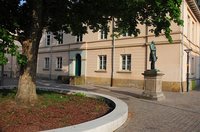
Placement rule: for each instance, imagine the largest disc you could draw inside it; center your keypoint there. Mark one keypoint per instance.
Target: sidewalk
(179, 112)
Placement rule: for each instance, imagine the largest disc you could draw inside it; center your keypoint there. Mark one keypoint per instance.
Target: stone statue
(153, 58)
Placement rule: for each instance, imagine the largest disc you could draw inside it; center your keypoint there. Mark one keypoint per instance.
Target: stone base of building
(77, 80)
(116, 82)
(166, 85)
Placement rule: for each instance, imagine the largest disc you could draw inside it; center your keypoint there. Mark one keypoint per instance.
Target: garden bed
(53, 110)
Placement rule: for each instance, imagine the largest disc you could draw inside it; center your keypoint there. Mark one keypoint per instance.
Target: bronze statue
(153, 58)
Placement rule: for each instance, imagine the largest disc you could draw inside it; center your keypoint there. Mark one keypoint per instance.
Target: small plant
(80, 94)
(52, 97)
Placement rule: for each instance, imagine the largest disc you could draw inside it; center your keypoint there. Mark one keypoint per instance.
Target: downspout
(146, 44)
(51, 57)
(181, 49)
(112, 53)
(86, 51)
(50, 68)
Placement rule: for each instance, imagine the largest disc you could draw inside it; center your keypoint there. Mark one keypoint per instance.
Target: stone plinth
(153, 85)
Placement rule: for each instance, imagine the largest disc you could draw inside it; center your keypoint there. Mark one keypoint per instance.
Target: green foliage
(21, 59)
(157, 14)
(47, 97)
(80, 94)
(7, 46)
(52, 97)
(75, 16)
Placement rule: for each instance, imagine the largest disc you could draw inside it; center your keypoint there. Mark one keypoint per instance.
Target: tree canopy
(27, 20)
(74, 16)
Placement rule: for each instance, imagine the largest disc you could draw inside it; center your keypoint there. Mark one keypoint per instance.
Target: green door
(78, 65)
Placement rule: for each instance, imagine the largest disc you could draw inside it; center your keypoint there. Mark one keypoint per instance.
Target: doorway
(78, 65)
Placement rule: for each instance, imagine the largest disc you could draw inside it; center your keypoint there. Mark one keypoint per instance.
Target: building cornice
(195, 8)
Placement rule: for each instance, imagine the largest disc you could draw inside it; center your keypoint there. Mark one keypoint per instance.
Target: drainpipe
(50, 65)
(146, 50)
(112, 53)
(51, 57)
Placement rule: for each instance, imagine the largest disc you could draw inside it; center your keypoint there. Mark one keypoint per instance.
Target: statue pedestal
(153, 85)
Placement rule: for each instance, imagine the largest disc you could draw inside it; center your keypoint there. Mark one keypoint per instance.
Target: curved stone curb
(107, 123)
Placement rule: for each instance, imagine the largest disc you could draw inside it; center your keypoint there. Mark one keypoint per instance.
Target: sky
(22, 2)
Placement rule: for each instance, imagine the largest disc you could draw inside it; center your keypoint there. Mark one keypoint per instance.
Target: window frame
(59, 63)
(46, 63)
(79, 38)
(103, 34)
(60, 35)
(48, 39)
(102, 62)
(126, 34)
(126, 62)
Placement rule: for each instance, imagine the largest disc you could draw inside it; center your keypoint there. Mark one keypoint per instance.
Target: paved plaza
(179, 112)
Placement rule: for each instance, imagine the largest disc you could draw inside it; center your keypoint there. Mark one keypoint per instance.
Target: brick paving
(179, 112)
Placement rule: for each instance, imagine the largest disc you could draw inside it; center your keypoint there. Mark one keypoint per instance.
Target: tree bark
(26, 93)
(2, 76)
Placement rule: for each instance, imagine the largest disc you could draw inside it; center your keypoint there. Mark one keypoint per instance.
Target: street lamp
(188, 59)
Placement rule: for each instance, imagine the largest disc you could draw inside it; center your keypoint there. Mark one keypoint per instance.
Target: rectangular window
(193, 32)
(126, 62)
(103, 34)
(102, 62)
(48, 39)
(79, 38)
(46, 63)
(188, 27)
(59, 63)
(60, 37)
(193, 66)
(126, 34)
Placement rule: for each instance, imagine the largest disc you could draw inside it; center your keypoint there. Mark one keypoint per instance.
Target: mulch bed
(15, 118)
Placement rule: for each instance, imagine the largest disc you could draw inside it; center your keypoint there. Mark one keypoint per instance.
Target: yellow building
(97, 60)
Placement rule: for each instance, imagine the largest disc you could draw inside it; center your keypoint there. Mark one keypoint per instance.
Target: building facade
(96, 59)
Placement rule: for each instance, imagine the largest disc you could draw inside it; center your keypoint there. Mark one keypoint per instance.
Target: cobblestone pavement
(179, 112)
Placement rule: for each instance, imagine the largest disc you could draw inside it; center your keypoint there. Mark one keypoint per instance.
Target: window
(59, 63)
(103, 34)
(126, 34)
(126, 62)
(188, 27)
(60, 37)
(102, 62)
(79, 38)
(193, 66)
(46, 63)
(193, 32)
(48, 39)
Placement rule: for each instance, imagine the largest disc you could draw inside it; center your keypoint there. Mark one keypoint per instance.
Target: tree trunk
(2, 76)
(26, 93)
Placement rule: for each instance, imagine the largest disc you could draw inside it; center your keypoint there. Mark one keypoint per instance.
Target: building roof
(194, 5)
